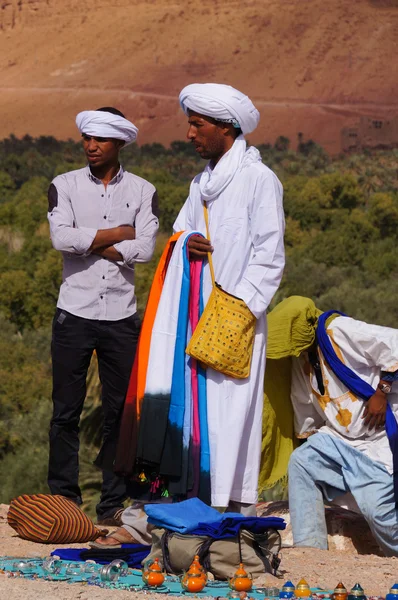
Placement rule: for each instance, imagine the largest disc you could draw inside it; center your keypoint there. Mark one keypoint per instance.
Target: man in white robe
(347, 458)
(246, 222)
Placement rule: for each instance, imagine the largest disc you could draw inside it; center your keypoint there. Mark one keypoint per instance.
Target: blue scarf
(358, 387)
(133, 554)
(194, 517)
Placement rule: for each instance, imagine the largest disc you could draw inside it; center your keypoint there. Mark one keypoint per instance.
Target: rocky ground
(321, 568)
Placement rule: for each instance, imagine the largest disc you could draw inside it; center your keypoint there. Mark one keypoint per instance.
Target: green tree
(383, 214)
(7, 187)
(45, 289)
(15, 289)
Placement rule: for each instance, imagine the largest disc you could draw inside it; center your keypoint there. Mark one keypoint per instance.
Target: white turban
(222, 103)
(99, 123)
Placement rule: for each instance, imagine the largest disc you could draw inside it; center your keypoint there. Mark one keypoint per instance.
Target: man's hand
(198, 247)
(375, 410)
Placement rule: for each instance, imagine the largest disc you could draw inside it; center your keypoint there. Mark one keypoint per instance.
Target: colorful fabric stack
(164, 432)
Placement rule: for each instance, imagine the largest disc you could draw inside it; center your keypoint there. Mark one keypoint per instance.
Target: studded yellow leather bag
(224, 337)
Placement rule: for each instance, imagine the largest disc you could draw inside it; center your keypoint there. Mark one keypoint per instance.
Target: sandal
(120, 535)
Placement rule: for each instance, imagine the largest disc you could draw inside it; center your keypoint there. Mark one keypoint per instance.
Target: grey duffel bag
(258, 552)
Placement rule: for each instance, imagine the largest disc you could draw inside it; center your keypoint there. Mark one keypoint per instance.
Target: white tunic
(246, 230)
(367, 350)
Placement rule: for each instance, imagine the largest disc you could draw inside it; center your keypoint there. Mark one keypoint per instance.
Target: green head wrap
(291, 327)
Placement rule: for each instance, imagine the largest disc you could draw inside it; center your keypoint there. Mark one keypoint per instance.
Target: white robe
(246, 230)
(367, 350)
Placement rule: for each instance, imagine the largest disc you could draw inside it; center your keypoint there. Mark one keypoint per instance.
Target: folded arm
(65, 236)
(117, 244)
(105, 240)
(140, 249)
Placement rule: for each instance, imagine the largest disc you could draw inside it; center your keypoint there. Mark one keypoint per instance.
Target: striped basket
(50, 520)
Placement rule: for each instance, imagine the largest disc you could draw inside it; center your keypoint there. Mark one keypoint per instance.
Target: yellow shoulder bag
(224, 337)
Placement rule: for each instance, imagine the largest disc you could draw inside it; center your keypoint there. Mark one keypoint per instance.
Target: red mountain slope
(310, 66)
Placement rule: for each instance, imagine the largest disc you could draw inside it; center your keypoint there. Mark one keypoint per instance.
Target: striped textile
(50, 519)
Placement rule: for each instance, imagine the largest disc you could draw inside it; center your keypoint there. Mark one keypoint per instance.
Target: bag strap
(209, 256)
(271, 560)
(164, 544)
(203, 553)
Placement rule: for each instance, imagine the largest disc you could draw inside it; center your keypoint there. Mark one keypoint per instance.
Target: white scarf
(164, 332)
(214, 181)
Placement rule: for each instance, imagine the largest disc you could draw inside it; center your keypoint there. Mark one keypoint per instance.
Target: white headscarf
(99, 123)
(221, 102)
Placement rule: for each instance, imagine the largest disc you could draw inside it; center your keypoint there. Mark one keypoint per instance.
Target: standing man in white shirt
(103, 220)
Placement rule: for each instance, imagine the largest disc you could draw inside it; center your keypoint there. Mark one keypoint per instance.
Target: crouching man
(344, 391)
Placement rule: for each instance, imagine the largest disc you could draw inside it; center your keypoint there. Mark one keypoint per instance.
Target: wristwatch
(385, 387)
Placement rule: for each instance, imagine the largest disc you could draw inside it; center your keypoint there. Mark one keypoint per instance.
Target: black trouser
(73, 342)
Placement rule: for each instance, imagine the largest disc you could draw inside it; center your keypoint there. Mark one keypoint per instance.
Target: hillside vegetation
(341, 243)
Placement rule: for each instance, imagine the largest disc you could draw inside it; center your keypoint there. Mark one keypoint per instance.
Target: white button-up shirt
(79, 205)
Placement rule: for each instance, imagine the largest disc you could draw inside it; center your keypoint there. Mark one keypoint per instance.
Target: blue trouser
(325, 467)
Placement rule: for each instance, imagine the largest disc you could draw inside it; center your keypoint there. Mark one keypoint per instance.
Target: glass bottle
(356, 593)
(287, 590)
(340, 592)
(393, 593)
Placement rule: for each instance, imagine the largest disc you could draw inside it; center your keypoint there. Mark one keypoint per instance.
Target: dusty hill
(310, 66)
